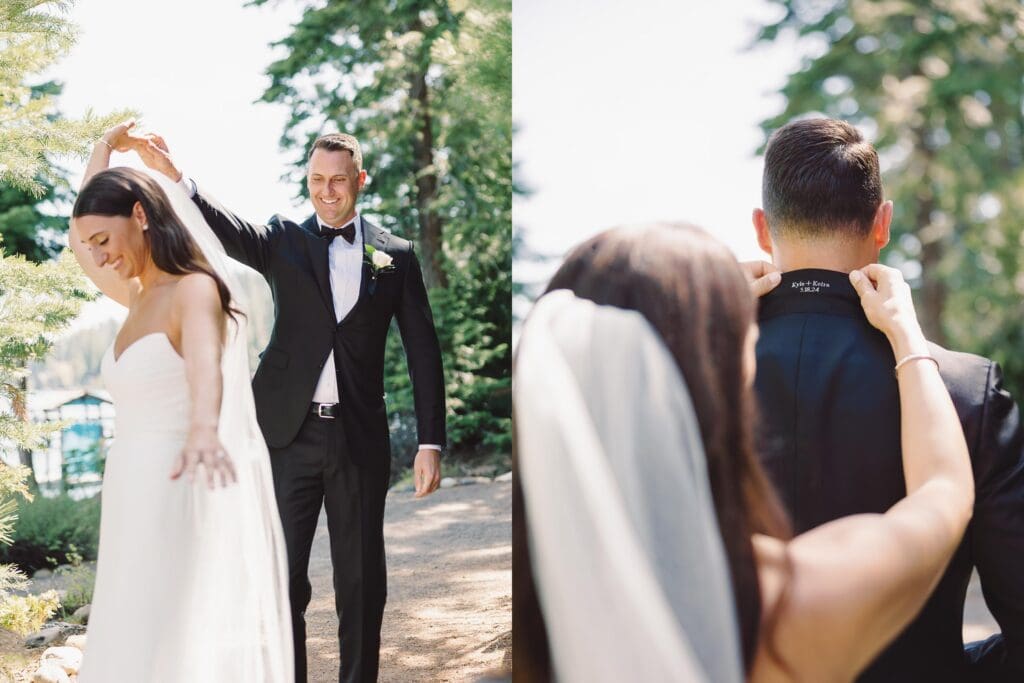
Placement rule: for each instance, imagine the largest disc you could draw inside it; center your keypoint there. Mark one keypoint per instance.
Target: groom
(831, 409)
(337, 281)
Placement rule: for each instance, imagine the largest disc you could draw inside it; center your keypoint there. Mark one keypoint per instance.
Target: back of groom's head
(821, 181)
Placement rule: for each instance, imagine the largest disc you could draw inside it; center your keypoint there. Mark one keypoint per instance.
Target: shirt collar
(812, 290)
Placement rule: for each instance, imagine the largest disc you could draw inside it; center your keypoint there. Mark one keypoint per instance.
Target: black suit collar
(812, 290)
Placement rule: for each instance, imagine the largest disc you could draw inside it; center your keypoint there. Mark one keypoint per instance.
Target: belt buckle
(320, 410)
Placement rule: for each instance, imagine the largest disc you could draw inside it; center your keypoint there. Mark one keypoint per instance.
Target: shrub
(25, 614)
(54, 531)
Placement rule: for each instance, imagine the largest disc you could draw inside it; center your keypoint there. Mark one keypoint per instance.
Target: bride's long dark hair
(694, 293)
(114, 192)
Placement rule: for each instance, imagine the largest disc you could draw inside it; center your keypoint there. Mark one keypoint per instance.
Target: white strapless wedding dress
(188, 587)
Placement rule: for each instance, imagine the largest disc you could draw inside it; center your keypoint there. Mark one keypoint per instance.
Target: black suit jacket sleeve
(423, 353)
(998, 532)
(249, 243)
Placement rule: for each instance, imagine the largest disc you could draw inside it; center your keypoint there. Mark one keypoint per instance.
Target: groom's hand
(427, 471)
(153, 151)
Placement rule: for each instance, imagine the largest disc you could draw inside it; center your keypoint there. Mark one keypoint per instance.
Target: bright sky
(640, 114)
(192, 69)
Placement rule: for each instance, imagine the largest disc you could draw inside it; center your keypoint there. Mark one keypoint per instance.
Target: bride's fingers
(179, 466)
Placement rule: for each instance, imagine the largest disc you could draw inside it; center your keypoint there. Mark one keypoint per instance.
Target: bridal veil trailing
(628, 561)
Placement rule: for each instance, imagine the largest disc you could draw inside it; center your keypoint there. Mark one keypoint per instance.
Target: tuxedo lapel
(318, 257)
(378, 239)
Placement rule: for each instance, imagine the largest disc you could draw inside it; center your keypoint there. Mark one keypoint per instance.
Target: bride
(191, 575)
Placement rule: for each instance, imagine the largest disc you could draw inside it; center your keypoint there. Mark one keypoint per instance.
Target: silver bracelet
(913, 357)
(107, 144)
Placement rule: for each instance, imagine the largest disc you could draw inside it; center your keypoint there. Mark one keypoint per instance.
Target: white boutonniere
(379, 262)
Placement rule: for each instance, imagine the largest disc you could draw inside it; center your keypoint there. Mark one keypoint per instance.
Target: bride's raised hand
(119, 137)
(204, 447)
(886, 300)
(762, 276)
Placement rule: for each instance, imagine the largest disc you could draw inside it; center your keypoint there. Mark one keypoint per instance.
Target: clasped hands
(151, 148)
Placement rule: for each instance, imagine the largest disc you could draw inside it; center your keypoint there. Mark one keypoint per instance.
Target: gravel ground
(449, 610)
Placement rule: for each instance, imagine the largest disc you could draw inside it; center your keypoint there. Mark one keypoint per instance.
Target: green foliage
(37, 34)
(54, 531)
(25, 614)
(426, 88)
(78, 582)
(937, 88)
(36, 302)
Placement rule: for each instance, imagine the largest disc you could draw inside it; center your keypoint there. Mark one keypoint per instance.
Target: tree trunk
(933, 290)
(430, 223)
(24, 454)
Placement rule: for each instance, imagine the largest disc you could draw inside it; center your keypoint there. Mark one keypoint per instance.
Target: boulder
(82, 614)
(48, 672)
(42, 574)
(507, 477)
(76, 642)
(67, 658)
(449, 482)
(43, 636)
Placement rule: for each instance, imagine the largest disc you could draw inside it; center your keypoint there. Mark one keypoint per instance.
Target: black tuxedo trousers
(342, 464)
(831, 443)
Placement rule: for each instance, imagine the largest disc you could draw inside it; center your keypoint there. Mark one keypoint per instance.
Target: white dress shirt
(345, 262)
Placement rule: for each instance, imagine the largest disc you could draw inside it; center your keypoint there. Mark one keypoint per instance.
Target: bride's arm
(197, 313)
(839, 593)
(106, 280)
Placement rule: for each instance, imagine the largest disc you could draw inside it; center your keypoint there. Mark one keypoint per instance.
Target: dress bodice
(148, 386)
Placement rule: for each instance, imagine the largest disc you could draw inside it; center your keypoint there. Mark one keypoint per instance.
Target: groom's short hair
(821, 179)
(337, 142)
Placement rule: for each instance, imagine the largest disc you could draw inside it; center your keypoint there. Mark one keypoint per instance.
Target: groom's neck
(838, 255)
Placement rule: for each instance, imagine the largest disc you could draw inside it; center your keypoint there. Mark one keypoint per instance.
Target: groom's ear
(880, 225)
(764, 236)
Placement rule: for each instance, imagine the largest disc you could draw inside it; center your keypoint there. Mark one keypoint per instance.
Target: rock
(49, 672)
(448, 482)
(466, 481)
(43, 636)
(67, 658)
(82, 613)
(76, 642)
(42, 574)
(504, 478)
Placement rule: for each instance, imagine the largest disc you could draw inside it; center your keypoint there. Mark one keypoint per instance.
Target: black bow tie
(348, 232)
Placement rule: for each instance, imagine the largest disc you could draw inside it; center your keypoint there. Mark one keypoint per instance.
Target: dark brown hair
(115, 191)
(821, 179)
(695, 295)
(336, 142)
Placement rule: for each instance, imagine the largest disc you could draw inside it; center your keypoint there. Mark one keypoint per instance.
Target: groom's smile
(334, 181)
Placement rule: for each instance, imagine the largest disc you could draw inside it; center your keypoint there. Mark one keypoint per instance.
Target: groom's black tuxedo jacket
(294, 260)
(831, 443)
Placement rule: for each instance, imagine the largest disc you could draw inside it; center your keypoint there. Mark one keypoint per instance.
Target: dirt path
(449, 610)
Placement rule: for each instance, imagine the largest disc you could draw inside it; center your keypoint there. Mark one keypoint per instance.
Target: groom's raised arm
(250, 243)
(243, 241)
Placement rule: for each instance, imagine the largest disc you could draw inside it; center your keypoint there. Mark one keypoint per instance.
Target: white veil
(629, 564)
(237, 623)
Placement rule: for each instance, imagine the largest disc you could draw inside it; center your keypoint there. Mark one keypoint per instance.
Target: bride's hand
(762, 276)
(153, 151)
(204, 447)
(119, 137)
(888, 305)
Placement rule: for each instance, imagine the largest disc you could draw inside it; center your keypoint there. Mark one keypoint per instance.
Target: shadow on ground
(449, 611)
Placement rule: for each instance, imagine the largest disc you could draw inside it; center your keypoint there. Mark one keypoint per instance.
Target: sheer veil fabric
(236, 623)
(629, 564)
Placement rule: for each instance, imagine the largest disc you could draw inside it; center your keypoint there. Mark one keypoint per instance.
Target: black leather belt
(325, 411)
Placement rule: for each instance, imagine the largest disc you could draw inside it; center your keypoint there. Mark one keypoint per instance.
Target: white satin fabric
(629, 564)
(191, 584)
